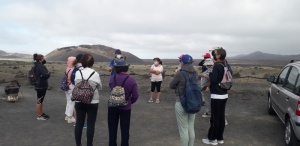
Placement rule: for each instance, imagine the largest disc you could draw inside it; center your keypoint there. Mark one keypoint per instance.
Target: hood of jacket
(188, 68)
(70, 61)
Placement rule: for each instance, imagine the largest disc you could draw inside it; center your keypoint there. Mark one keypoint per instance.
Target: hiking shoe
(41, 118)
(45, 116)
(220, 141)
(207, 141)
(157, 101)
(205, 115)
(71, 120)
(150, 100)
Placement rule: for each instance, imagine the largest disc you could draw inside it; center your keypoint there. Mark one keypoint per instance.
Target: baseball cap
(187, 58)
(118, 51)
(206, 55)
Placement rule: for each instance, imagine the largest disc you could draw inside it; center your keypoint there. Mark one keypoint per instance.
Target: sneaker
(205, 115)
(220, 141)
(226, 123)
(207, 141)
(150, 100)
(71, 120)
(45, 116)
(157, 101)
(85, 126)
(74, 124)
(66, 118)
(41, 118)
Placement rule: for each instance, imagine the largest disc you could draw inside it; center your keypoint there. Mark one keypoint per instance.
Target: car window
(282, 75)
(297, 90)
(292, 77)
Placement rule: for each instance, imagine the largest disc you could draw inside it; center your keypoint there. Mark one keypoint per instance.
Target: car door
(276, 92)
(288, 95)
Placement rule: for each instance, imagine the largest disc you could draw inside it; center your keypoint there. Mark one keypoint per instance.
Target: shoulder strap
(91, 75)
(81, 75)
(125, 81)
(68, 72)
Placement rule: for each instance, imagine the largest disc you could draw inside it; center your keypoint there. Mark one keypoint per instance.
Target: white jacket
(94, 81)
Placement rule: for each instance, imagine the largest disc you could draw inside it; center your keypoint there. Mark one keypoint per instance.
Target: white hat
(208, 62)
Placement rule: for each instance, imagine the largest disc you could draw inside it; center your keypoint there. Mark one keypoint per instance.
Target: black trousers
(114, 114)
(217, 119)
(81, 111)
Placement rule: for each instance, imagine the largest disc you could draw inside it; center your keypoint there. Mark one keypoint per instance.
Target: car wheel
(290, 137)
(270, 108)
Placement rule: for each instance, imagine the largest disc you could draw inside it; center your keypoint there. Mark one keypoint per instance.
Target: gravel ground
(151, 124)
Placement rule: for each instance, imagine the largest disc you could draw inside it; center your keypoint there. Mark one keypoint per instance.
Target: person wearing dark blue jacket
(41, 75)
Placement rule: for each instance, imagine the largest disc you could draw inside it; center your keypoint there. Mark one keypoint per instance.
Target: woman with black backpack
(41, 76)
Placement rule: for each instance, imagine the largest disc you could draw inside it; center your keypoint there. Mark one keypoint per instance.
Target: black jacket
(41, 75)
(216, 77)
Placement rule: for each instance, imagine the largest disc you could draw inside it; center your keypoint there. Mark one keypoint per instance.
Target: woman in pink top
(156, 79)
(70, 104)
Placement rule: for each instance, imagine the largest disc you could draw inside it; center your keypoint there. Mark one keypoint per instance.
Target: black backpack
(192, 99)
(31, 76)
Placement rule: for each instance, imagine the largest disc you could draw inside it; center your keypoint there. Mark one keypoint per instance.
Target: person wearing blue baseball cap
(118, 55)
(185, 120)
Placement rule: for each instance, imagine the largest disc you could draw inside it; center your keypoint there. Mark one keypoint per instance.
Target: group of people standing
(79, 68)
(214, 96)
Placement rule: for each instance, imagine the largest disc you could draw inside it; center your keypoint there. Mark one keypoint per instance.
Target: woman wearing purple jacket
(122, 112)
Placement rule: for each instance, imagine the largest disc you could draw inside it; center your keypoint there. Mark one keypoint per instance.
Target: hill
(101, 53)
(255, 56)
(7, 55)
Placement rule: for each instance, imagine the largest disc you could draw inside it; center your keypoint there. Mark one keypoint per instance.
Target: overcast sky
(152, 28)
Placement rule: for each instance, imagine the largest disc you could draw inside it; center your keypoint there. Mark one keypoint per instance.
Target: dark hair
(75, 62)
(120, 69)
(222, 53)
(87, 60)
(37, 57)
(157, 59)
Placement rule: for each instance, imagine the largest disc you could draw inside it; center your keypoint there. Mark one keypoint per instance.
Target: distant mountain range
(6, 55)
(255, 56)
(100, 53)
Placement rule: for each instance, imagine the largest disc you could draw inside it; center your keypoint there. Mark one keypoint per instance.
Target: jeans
(185, 124)
(82, 110)
(114, 114)
(217, 119)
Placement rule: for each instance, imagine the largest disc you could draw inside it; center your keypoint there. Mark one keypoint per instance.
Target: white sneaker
(207, 141)
(226, 123)
(66, 118)
(205, 115)
(71, 120)
(220, 141)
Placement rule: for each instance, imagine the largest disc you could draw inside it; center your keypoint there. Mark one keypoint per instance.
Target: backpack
(117, 95)
(31, 76)
(226, 82)
(64, 82)
(83, 91)
(192, 99)
(73, 74)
